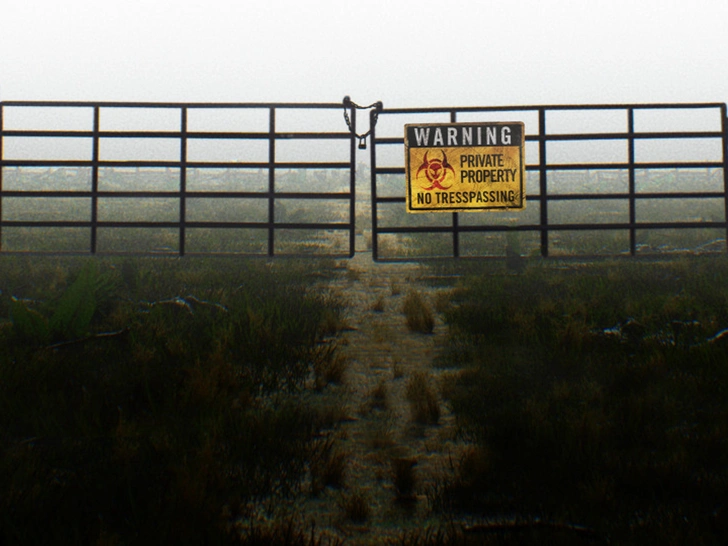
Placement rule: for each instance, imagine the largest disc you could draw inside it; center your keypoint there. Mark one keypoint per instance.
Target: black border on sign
(522, 169)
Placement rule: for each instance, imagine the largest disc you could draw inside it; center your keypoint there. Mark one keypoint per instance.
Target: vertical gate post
(455, 217)
(271, 179)
(2, 168)
(632, 183)
(182, 180)
(95, 178)
(724, 126)
(543, 186)
(373, 174)
(352, 182)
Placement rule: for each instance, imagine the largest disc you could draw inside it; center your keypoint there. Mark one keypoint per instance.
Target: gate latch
(377, 106)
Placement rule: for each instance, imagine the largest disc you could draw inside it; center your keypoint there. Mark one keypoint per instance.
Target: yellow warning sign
(465, 167)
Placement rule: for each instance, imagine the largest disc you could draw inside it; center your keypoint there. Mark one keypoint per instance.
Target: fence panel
(264, 179)
(601, 180)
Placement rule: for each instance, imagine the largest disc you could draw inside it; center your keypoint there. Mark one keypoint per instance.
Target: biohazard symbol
(435, 170)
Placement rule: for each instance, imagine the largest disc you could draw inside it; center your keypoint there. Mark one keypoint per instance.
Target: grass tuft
(422, 396)
(418, 315)
(403, 477)
(328, 468)
(356, 506)
(379, 304)
(379, 396)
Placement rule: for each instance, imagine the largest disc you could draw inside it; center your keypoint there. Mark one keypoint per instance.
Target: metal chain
(378, 107)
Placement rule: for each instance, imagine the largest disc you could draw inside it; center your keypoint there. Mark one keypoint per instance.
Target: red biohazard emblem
(435, 170)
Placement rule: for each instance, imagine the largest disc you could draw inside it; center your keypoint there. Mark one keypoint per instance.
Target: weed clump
(424, 403)
(418, 314)
(379, 304)
(328, 467)
(403, 477)
(379, 396)
(330, 368)
(355, 506)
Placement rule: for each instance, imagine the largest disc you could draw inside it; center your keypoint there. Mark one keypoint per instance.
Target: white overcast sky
(405, 53)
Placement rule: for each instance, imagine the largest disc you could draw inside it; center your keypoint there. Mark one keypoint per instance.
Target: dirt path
(378, 431)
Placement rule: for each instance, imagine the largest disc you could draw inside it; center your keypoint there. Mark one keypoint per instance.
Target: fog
(404, 53)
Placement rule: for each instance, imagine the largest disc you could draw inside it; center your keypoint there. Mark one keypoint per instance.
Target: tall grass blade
(76, 307)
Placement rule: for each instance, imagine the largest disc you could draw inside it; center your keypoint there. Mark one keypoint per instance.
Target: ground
(377, 432)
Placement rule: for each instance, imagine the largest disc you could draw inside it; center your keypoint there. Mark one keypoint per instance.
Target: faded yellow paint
(464, 178)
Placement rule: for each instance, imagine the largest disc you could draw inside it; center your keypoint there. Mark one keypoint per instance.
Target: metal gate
(636, 179)
(263, 179)
(273, 179)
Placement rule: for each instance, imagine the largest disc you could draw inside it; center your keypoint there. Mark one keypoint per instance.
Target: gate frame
(543, 167)
(182, 224)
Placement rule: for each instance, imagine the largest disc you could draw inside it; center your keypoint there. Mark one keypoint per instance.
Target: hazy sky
(405, 53)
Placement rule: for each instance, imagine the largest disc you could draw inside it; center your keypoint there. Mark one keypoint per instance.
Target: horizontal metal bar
(198, 135)
(75, 194)
(261, 195)
(597, 196)
(173, 253)
(553, 227)
(625, 136)
(311, 195)
(336, 226)
(169, 164)
(463, 109)
(199, 105)
(88, 224)
(638, 196)
(624, 166)
(558, 137)
(336, 165)
(646, 166)
(173, 135)
(389, 170)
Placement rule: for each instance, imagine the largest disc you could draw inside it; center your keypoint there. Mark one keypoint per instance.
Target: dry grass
(355, 506)
(330, 469)
(376, 399)
(379, 395)
(585, 421)
(330, 370)
(423, 400)
(418, 314)
(403, 477)
(397, 371)
(380, 433)
(379, 305)
(443, 300)
(353, 274)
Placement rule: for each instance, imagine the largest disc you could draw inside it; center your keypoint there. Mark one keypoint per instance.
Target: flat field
(203, 400)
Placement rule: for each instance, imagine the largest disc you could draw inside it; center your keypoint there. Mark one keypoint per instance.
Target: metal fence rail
(545, 193)
(181, 167)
